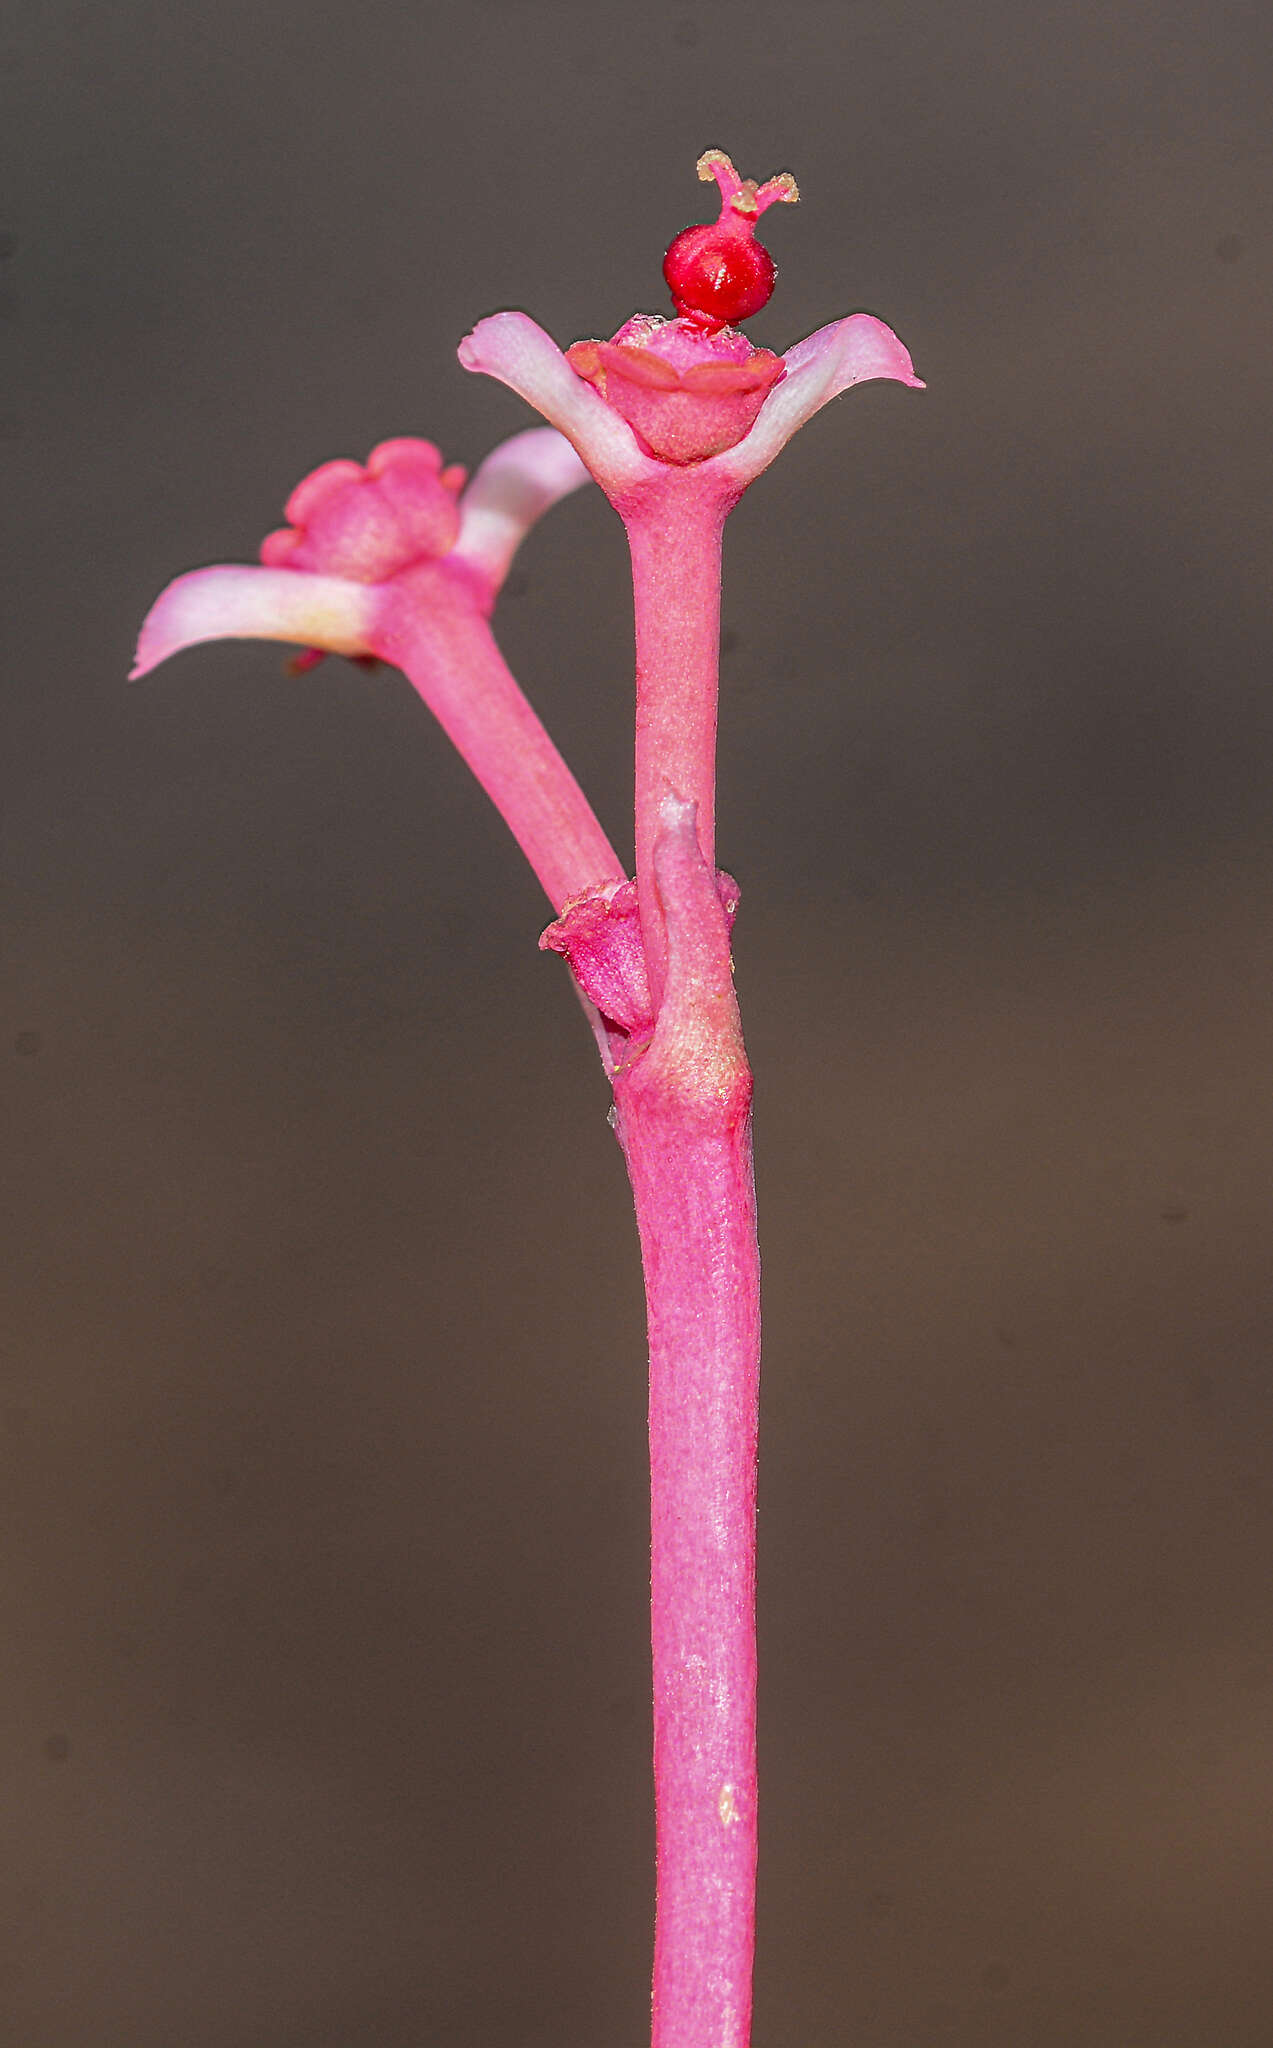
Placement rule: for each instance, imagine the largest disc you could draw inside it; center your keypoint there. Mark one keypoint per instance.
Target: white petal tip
(230, 603)
(518, 482)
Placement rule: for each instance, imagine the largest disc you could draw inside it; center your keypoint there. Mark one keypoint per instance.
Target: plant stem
(684, 1121)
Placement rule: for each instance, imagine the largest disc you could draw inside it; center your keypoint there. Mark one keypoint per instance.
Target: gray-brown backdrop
(322, 1519)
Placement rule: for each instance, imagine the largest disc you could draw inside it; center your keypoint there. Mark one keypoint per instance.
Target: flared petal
(518, 482)
(851, 351)
(514, 349)
(258, 604)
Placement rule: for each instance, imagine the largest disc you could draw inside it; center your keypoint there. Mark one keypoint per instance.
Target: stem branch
(684, 1121)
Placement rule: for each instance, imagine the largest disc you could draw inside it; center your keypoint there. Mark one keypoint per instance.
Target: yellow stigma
(744, 194)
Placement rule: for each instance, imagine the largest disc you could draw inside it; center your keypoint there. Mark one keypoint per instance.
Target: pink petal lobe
(638, 365)
(278, 548)
(319, 488)
(514, 349)
(258, 604)
(518, 482)
(408, 449)
(846, 352)
(687, 393)
(409, 476)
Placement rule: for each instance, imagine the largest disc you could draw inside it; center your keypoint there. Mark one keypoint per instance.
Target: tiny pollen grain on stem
(726, 1807)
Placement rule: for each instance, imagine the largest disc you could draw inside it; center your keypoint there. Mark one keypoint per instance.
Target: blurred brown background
(322, 1519)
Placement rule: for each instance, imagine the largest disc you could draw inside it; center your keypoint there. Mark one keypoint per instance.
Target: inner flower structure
(692, 386)
(368, 520)
(686, 392)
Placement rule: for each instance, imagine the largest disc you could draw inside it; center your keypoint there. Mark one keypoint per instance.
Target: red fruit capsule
(719, 274)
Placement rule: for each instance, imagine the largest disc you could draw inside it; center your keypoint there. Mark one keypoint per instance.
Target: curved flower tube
(394, 560)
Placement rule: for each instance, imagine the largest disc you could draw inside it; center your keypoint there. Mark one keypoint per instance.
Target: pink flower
(515, 349)
(675, 419)
(391, 559)
(356, 529)
(693, 386)
(693, 390)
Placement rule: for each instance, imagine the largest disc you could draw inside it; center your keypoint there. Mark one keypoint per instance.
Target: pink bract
(387, 559)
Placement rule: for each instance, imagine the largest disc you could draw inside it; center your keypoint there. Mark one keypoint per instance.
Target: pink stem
(684, 1120)
(431, 631)
(674, 532)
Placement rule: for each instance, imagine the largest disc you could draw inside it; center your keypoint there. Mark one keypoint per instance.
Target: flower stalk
(674, 534)
(447, 651)
(684, 1121)
(398, 561)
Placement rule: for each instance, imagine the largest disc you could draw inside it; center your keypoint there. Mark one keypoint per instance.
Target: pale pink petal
(518, 482)
(512, 348)
(847, 352)
(258, 604)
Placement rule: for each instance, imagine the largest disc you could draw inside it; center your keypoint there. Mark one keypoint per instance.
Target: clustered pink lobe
(686, 391)
(368, 520)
